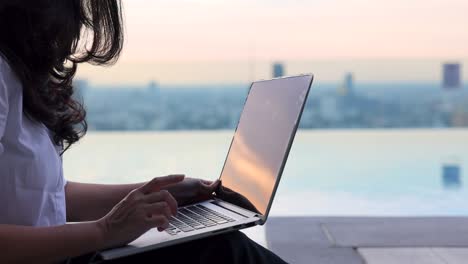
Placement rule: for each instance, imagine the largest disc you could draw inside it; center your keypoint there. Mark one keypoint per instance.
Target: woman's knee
(232, 237)
(236, 247)
(235, 240)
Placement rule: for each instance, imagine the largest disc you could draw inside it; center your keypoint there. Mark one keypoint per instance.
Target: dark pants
(234, 247)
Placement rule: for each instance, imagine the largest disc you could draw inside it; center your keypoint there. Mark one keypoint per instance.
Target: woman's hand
(142, 209)
(192, 190)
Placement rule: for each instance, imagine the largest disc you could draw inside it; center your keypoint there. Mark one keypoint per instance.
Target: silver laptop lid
(261, 143)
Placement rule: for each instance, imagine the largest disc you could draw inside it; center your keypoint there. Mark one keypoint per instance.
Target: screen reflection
(261, 141)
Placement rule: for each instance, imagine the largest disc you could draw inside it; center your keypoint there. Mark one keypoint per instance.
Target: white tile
(452, 255)
(257, 234)
(400, 256)
(401, 232)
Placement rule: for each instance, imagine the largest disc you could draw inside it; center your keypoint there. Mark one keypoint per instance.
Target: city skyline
(327, 71)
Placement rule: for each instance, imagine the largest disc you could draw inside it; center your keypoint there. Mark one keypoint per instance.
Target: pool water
(329, 172)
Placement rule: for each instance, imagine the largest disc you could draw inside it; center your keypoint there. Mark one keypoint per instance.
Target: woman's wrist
(101, 230)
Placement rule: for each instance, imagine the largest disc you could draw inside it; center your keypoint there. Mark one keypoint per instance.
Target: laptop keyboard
(196, 217)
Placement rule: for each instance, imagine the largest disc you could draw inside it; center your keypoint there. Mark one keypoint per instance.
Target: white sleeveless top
(31, 176)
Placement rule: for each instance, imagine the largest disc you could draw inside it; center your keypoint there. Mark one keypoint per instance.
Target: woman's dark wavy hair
(44, 41)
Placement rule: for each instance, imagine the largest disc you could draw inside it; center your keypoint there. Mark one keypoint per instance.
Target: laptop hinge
(234, 208)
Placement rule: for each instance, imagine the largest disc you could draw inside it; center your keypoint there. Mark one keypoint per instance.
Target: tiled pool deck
(349, 240)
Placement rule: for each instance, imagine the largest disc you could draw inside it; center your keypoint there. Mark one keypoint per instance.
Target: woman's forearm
(25, 244)
(88, 202)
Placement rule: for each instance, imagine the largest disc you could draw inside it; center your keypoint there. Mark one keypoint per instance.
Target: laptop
(251, 172)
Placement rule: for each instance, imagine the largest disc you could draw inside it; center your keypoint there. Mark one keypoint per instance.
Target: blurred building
(451, 76)
(278, 70)
(153, 88)
(451, 83)
(349, 83)
(451, 175)
(347, 88)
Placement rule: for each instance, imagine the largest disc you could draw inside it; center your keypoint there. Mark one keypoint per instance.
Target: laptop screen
(261, 142)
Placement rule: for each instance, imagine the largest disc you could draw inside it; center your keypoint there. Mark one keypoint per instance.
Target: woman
(41, 44)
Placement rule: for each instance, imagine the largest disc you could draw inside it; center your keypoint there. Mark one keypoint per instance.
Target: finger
(171, 201)
(158, 221)
(162, 196)
(153, 197)
(206, 182)
(210, 186)
(161, 208)
(157, 183)
(216, 185)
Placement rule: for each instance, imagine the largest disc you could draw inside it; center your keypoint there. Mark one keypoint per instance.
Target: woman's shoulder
(9, 83)
(5, 69)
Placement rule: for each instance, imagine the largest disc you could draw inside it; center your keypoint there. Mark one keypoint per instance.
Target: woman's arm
(88, 202)
(142, 209)
(24, 244)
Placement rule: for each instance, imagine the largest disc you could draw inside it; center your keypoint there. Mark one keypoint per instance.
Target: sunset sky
(203, 41)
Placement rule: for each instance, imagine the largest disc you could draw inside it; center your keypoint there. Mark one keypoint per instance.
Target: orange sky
(169, 34)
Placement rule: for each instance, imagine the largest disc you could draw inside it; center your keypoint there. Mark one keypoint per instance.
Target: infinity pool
(336, 172)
